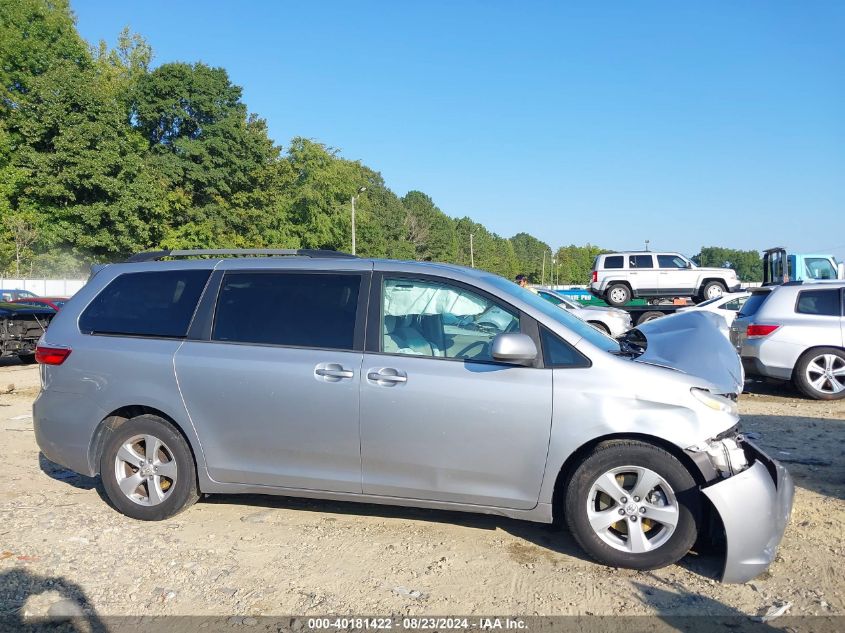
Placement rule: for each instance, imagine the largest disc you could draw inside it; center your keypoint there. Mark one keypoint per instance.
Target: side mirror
(688, 265)
(513, 347)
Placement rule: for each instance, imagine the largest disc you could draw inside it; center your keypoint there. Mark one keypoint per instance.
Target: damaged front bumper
(754, 506)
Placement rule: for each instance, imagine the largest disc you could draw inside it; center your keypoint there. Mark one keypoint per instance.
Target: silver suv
(796, 332)
(619, 277)
(403, 383)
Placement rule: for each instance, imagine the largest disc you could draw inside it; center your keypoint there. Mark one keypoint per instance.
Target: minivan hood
(692, 342)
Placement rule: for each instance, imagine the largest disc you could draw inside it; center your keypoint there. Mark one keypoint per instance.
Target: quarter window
(823, 302)
(559, 353)
(424, 318)
(614, 261)
(158, 303)
(640, 261)
(314, 310)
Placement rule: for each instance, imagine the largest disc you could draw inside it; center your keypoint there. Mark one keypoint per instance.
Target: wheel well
(577, 456)
(812, 349)
(620, 282)
(600, 325)
(117, 417)
(707, 280)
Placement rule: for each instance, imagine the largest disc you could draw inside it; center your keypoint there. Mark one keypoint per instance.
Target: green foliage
(747, 264)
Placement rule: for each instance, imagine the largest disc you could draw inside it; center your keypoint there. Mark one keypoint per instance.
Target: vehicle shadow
(812, 449)
(71, 611)
(551, 539)
(686, 611)
(69, 477)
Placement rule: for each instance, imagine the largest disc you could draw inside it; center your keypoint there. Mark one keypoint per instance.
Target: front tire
(820, 374)
(618, 294)
(634, 505)
(600, 326)
(148, 470)
(713, 290)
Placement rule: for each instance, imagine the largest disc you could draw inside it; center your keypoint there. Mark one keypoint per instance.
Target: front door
(674, 278)
(274, 393)
(440, 420)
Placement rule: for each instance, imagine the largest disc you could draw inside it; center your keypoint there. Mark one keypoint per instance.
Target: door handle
(333, 371)
(387, 375)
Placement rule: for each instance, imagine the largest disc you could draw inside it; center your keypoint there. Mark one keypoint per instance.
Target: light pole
(471, 252)
(543, 271)
(354, 197)
(646, 245)
(552, 272)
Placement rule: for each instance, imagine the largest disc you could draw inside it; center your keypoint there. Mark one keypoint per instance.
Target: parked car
(795, 332)
(727, 306)
(611, 321)
(403, 383)
(12, 294)
(55, 303)
(21, 326)
(619, 277)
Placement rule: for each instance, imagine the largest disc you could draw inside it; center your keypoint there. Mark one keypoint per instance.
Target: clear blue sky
(688, 124)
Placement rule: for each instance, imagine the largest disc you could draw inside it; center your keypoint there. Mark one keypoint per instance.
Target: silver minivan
(315, 374)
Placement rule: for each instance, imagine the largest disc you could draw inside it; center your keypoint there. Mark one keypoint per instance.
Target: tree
(24, 233)
(531, 254)
(747, 264)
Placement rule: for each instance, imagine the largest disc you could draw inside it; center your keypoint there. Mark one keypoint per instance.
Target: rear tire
(650, 516)
(618, 294)
(820, 373)
(148, 470)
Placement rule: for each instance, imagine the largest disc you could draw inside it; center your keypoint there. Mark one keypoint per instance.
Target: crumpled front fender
(754, 507)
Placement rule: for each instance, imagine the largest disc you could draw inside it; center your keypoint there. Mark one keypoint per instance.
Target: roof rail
(154, 256)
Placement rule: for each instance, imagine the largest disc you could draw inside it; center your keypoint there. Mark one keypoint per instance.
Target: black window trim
(527, 324)
(208, 318)
(587, 361)
(155, 337)
(841, 302)
(604, 265)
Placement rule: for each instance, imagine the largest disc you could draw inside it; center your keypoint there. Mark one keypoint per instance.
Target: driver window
(424, 318)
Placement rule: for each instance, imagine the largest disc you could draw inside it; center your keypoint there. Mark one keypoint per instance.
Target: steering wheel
(464, 353)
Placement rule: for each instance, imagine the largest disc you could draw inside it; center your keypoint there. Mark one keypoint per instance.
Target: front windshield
(573, 323)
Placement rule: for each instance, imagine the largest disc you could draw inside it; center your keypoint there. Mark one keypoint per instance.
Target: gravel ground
(62, 548)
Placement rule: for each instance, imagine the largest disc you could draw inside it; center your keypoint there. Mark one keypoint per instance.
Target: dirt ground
(236, 555)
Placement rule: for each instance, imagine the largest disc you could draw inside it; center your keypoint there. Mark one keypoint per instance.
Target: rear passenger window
(824, 302)
(614, 261)
(559, 353)
(640, 261)
(157, 303)
(314, 310)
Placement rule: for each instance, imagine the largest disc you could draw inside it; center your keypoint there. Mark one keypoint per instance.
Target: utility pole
(543, 273)
(552, 272)
(471, 252)
(354, 197)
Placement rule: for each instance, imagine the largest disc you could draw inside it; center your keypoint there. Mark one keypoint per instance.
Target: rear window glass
(823, 302)
(614, 261)
(314, 310)
(753, 303)
(159, 303)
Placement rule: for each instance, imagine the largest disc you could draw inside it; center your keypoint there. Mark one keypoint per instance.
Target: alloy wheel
(826, 374)
(632, 509)
(145, 470)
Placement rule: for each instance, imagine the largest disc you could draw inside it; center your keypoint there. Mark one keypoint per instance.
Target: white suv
(619, 277)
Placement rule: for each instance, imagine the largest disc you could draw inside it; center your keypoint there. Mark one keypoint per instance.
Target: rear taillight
(760, 330)
(51, 355)
(595, 276)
